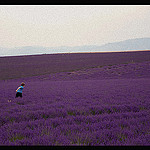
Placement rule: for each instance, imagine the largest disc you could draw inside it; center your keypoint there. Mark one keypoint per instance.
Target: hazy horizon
(72, 46)
(71, 25)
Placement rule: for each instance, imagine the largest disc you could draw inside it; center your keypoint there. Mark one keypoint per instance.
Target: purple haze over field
(98, 105)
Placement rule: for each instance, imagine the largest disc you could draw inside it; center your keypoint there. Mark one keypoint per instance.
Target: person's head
(22, 84)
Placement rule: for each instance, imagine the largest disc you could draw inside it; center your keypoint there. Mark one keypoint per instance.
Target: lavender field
(93, 102)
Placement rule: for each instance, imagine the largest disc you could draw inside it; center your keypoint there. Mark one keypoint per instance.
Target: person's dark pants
(18, 94)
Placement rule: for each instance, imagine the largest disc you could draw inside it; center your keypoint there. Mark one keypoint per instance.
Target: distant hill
(131, 44)
(127, 45)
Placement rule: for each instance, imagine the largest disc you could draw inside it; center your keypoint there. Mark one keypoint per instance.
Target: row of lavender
(121, 71)
(131, 70)
(34, 65)
(79, 108)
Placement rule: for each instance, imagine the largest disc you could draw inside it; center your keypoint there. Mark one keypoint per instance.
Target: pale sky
(71, 25)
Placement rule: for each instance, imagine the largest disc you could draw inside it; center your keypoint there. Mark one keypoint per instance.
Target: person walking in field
(19, 90)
